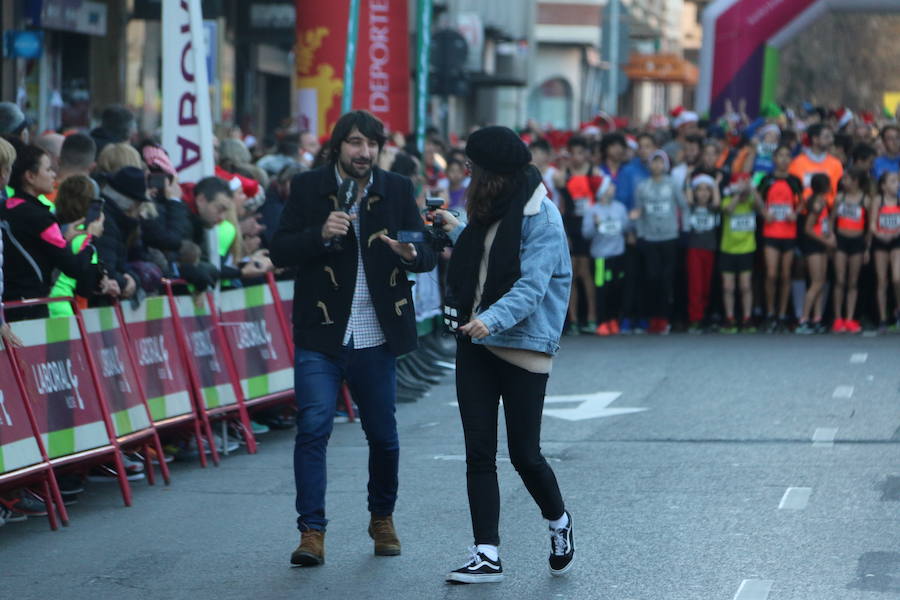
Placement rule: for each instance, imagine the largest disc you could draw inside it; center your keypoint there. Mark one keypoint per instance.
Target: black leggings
(658, 264)
(481, 379)
(609, 295)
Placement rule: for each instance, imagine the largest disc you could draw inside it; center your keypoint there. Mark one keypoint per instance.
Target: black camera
(434, 234)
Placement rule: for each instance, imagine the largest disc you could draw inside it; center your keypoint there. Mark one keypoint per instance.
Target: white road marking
(588, 406)
(843, 391)
(857, 358)
(823, 437)
(754, 589)
(446, 365)
(795, 498)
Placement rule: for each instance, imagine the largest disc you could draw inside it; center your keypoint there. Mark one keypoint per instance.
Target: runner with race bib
(885, 226)
(704, 202)
(737, 251)
(604, 226)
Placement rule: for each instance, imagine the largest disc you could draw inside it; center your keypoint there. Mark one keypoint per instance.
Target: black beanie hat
(498, 149)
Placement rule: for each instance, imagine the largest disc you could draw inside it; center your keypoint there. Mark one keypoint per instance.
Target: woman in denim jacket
(508, 290)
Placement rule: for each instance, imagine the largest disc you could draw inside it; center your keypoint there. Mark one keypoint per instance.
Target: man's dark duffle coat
(326, 278)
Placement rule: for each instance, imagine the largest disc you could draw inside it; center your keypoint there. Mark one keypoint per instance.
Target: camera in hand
(95, 208)
(434, 234)
(346, 196)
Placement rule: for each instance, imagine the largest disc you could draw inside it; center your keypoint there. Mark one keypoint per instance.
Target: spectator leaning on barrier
(33, 242)
(353, 315)
(73, 200)
(125, 195)
(7, 158)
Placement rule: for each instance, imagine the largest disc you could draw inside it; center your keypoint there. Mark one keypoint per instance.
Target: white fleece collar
(533, 206)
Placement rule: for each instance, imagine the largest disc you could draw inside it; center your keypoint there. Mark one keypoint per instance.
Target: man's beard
(356, 171)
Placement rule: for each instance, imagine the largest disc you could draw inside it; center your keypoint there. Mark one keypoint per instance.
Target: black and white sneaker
(479, 569)
(562, 549)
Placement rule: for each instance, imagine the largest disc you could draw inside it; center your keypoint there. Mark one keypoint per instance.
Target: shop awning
(666, 68)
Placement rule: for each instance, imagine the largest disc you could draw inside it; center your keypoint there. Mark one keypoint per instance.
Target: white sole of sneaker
(562, 571)
(466, 578)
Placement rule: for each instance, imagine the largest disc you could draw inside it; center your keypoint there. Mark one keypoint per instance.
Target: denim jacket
(531, 314)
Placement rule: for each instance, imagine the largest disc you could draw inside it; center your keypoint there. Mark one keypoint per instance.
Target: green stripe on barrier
(211, 397)
(258, 386)
(57, 329)
(107, 319)
(157, 408)
(61, 443)
(2, 464)
(254, 296)
(155, 308)
(123, 422)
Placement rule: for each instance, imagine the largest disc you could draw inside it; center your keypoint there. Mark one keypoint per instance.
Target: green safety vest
(227, 233)
(65, 285)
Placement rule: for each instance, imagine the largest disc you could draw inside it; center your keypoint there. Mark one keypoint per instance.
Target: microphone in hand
(346, 197)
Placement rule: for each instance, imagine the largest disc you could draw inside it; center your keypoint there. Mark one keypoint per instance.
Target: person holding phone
(509, 281)
(78, 203)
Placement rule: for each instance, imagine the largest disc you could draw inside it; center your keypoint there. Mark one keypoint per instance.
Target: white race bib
(703, 221)
(780, 212)
(657, 208)
(889, 222)
(612, 227)
(850, 211)
(743, 223)
(581, 206)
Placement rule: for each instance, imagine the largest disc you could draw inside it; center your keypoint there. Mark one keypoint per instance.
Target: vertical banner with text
(381, 74)
(187, 121)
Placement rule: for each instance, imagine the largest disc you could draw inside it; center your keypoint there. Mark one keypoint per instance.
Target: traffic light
(448, 76)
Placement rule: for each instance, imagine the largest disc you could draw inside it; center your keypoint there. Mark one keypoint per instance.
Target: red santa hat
(631, 141)
(685, 117)
(844, 116)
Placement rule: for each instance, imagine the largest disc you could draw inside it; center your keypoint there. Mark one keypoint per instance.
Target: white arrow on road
(590, 406)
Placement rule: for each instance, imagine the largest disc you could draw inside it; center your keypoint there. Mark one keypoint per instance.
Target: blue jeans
(371, 376)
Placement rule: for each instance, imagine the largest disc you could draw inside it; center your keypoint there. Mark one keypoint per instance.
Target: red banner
(381, 77)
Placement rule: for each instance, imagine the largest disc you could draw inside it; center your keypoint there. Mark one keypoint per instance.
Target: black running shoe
(479, 569)
(562, 549)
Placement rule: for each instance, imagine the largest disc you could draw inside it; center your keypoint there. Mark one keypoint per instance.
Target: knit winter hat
(498, 149)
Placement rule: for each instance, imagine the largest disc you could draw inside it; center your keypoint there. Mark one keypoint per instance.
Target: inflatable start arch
(742, 40)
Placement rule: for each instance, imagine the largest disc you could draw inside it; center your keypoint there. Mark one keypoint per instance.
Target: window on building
(551, 103)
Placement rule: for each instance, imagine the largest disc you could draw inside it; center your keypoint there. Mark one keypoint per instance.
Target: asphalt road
(715, 491)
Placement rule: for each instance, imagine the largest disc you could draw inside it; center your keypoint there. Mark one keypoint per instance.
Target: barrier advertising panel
(120, 385)
(18, 446)
(155, 344)
(257, 343)
(56, 374)
(204, 353)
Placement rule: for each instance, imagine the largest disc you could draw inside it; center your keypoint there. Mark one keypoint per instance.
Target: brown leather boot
(311, 551)
(381, 529)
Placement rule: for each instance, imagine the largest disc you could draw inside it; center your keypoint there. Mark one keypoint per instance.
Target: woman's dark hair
(368, 125)
(860, 176)
(540, 144)
(862, 151)
(883, 178)
(486, 186)
(610, 140)
(820, 183)
(577, 140)
(74, 197)
(28, 159)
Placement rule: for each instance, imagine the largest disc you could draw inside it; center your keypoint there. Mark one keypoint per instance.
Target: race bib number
(743, 222)
(656, 208)
(703, 221)
(581, 206)
(850, 211)
(780, 212)
(889, 222)
(610, 228)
